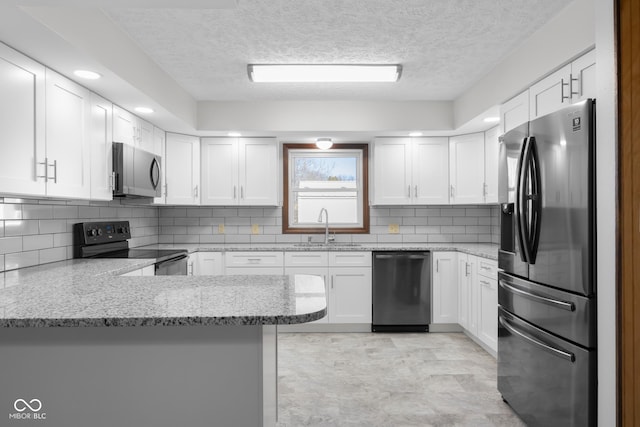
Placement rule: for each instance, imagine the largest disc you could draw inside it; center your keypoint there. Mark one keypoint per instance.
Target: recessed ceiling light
(415, 134)
(234, 134)
(492, 119)
(324, 143)
(144, 110)
(323, 73)
(86, 74)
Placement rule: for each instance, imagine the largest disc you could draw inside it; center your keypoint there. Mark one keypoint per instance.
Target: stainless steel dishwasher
(401, 291)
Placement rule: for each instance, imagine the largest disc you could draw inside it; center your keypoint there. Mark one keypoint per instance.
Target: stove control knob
(126, 230)
(92, 232)
(99, 231)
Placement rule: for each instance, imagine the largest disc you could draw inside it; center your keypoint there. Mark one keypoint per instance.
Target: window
(334, 179)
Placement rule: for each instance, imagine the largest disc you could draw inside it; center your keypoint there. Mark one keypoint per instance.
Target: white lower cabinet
(350, 287)
(149, 270)
(313, 263)
(444, 287)
(251, 263)
(487, 276)
(466, 293)
(205, 264)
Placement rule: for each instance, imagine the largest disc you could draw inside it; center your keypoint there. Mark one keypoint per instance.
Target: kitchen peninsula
(83, 345)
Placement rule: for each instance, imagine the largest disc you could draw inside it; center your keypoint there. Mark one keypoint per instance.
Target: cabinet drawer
(306, 259)
(487, 268)
(350, 259)
(253, 259)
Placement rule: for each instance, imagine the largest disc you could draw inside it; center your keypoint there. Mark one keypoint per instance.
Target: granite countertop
(485, 250)
(91, 293)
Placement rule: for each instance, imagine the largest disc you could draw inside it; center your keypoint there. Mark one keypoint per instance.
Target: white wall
(274, 117)
(563, 38)
(607, 193)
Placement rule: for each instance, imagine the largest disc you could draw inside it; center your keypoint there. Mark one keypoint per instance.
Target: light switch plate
(255, 229)
(221, 228)
(394, 228)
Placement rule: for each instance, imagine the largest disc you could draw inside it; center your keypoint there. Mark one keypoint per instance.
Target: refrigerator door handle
(535, 198)
(520, 203)
(551, 349)
(569, 306)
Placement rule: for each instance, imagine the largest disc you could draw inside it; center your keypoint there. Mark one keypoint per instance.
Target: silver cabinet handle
(416, 191)
(409, 191)
(234, 192)
(484, 282)
(562, 85)
(452, 191)
(466, 268)
(46, 166)
(484, 189)
(560, 353)
(437, 265)
(195, 191)
(55, 171)
(565, 305)
(241, 192)
(571, 89)
(112, 181)
(332, 281)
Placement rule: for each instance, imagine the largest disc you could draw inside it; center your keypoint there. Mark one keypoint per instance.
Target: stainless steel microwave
(136, 172)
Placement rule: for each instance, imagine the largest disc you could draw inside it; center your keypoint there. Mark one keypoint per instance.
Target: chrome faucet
(326, 226)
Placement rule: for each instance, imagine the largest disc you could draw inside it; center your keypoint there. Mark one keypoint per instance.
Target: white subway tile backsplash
(452, 212)
(200, 229)
(238, 238)
(478, 212)
(212, 238)
(184, 238)
(66, 212)
(402, 212)
(429, 229)
(186, 221)
(2, 263)
(10, 244)
(40, 241)
(21, 260)
(89, 212)
(10, 211)
(428, 212)
(440, 220)
(63, 239)
(21, 227)
(465, 220)
(390, 238)
(414, 220)
(461, 238)
(53, 226)
(453, 229)
(37, 211)
(1, 228)
(238, 220)
(52, 255)
(199, 212)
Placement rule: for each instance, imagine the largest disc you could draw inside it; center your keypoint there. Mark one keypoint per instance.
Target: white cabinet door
(551, 93)
(467, 168)
(464, 290)
(182, 169)
(100, 140)
(124, 126)
(315, 271)
(350, 295)
(445, 287)
(159, 137)
(392, 171)
(146, 139)
(583, 74)
(491, 153)
(207, 264)
(219, 159)
(488, 311)
(22, 124)
(514, 112)
(258, 171)
(430, 171)
(68, 152)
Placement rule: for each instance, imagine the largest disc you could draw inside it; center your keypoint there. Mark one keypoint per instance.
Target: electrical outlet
(221, 228)
(255, 229)
(394, 228)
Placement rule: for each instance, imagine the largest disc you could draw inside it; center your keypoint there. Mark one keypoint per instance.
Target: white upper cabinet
(124, 126)
(430, 171)
(466, 168)
(240, 171)
(182, 169)
(100, 140)
(392, 171)
(514, 112)
(411, 171)
(491, 153)
(132, 130)
(571, 83)
(22, 124)
(159, 148)
(68, 154)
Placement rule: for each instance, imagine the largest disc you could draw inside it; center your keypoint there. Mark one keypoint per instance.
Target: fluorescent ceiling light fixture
(144, 110)
(234, 134)
(492, 119)
(324, 143)
(86, 74)
(415, 134)
(323, 73)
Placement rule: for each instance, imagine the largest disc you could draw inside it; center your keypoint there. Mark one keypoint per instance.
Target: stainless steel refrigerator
(547, 286)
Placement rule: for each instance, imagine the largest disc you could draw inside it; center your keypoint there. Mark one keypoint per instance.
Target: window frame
(286, 228)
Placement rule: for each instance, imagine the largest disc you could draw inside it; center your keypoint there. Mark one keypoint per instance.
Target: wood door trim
(628, 31)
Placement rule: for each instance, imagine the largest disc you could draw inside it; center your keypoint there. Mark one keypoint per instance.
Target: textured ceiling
(445, 46)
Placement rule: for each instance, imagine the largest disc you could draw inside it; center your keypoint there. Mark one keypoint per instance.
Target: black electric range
(110, 240)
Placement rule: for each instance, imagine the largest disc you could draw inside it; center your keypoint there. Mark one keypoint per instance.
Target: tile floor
(391, 380)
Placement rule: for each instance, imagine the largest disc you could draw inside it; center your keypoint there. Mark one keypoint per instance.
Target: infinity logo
(21, 405)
